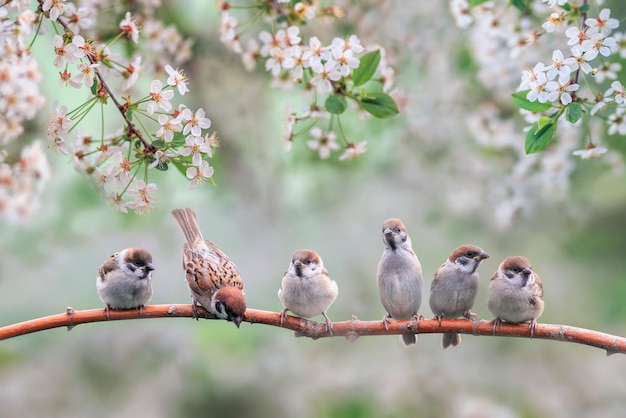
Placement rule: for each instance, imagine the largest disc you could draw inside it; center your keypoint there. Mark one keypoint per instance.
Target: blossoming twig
(149, 148)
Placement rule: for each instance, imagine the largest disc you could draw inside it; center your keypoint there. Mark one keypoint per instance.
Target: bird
(515, 293)
(399, 276)
(125, 279)
(454, 288)
(306, 289)
(213, 279)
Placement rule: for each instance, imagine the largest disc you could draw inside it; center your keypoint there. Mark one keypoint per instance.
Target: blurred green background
(266, 205)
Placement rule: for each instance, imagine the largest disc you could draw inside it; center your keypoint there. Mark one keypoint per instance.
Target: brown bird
(454, 288)
(515, 293)
(306, 289)
(399, 276)
(125, 279)
(212, 277)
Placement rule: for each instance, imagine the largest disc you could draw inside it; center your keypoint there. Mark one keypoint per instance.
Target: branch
(151, 149)
(351, 329)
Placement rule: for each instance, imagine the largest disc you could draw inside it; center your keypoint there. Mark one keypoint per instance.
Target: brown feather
(207, 268)
(538, 290)
(109, 265)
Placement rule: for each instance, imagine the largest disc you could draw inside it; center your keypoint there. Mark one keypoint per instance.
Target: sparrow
(515, 293)
(125, 279)
(454, 288)
(399, 276)
(306, 289)
(213, 279)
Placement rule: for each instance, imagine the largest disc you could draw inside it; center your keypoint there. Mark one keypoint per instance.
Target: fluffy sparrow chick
(125, 279)
(213, 279)
(399, 276)
(306, 289)
(454, 288)
(515, 293)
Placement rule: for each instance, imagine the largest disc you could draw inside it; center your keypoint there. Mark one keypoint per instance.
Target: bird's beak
(149, 267)
(237, 321)
(527, 271)
(297, 264)
(387, 231)
(482, 256)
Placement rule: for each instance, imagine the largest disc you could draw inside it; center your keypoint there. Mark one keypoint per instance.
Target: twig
(351, 329)
(150, 149)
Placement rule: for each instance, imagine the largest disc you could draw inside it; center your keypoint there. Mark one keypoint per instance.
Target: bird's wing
(107, 266)
(228, 271)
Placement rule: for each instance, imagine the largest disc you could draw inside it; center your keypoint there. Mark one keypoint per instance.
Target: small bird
(454, 288)
(515, 293)
(306, 289)
(125, 279)
(399, 276)
(212, 277)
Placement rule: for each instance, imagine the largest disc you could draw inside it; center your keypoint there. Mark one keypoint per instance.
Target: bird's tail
(450, 339)
(408, 339)
(186, 219)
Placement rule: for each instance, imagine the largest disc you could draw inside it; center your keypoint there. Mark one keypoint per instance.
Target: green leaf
(518, 4)
(163, 166)
(336, 104)
(178, 140)
(522, 102)
(380, 105)
(538, 139)
(159, 143)
(367, 67)
(129, 114)
(182, 168)
(543, 122)
(574, 112)
(474, 3)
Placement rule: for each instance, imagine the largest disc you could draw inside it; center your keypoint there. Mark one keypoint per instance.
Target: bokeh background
(421, 166)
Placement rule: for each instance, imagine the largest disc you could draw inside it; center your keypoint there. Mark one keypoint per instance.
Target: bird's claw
(496, 324)
(386, 319)
(329, 324)
(283, 314)
(532, 327)
(194, 309)
(471, 316)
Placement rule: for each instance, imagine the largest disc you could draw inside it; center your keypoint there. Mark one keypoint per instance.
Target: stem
(149, 148)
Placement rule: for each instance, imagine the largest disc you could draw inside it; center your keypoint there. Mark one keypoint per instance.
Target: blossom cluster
(330, 74)
(22, 182)
(153, 134)
(567, 53)
(558, 82)
(119, 164)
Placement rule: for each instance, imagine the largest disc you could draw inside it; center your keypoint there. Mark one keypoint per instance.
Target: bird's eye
(470, 254)
(516, 269)
(398, 230)
(219, 306)
(307, 261)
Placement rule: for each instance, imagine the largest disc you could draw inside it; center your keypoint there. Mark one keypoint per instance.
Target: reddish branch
(351, 329)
